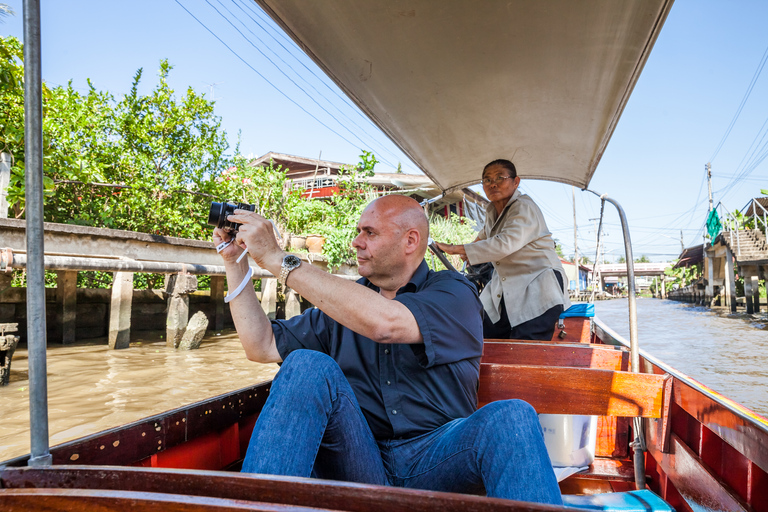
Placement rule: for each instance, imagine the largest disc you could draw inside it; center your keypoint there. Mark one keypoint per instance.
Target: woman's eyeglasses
(495, 181)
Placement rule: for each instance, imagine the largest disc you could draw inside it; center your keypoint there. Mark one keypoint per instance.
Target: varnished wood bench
(604, 357)
(568, 390)
(612, 395)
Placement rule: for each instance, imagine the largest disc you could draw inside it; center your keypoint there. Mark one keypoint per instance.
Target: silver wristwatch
(290, 262)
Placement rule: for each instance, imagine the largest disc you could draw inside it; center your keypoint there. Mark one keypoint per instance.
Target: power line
(266, 79)
(285, 74)
(741, 105)
(381, 147)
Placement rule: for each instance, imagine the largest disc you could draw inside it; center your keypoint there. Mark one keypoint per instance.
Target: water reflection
(723, 351)
(92, 388)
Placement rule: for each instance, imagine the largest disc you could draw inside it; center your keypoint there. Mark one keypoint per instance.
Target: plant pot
(315, 243)
(298, 242)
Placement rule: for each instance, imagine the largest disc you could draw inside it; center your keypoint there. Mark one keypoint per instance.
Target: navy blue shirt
(405, 389)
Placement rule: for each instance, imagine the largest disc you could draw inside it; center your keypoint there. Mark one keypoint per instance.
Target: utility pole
(575, 239)
(682, 245)
(708, 167)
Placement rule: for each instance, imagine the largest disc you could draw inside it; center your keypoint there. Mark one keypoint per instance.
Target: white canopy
(458, 83)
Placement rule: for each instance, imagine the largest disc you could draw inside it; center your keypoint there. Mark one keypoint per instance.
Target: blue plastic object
(632, 501)
(587, 310)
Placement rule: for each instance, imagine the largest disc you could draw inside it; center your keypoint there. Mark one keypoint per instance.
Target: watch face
(291, 261)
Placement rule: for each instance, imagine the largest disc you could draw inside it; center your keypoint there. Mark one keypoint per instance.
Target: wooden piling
(120, 310)
(730, 283)
(217, 299)
(178, 287)
(292, 304)
(66, 302)
(269, 297)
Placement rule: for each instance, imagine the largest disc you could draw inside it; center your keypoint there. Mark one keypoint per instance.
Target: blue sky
(697, 76)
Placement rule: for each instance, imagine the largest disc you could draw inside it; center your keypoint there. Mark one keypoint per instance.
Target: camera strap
(230, 296)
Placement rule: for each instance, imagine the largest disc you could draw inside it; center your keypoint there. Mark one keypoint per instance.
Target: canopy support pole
(639, 443)
(33, 136)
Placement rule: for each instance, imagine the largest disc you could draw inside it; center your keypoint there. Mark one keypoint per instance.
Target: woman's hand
(453, 249)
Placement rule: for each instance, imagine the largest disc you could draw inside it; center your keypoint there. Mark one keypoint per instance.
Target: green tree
(642, 259)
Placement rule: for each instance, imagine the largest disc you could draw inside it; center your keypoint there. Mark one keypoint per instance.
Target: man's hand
(255, 235)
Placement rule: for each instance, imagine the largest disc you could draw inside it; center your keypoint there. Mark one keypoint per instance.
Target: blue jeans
(312, 425)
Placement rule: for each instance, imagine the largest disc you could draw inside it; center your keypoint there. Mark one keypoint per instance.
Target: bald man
(378, 383)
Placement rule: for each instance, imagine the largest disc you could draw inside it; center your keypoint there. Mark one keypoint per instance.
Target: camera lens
(217, 215)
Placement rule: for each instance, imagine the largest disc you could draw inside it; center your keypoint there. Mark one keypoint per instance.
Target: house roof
(299, 167)
(762, 201)
(690, 256)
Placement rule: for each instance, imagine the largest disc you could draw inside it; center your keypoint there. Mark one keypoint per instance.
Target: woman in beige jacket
(526, 293)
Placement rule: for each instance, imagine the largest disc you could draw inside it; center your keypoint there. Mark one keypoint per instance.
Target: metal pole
(639, 442)
(33, 134)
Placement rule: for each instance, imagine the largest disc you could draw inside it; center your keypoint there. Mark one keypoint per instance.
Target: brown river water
(726, 352)
(92, 388)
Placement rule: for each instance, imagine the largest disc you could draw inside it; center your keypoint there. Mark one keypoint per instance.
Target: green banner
(713, 225)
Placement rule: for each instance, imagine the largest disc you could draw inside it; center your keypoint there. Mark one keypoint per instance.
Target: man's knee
(505, 415)
(308, 368)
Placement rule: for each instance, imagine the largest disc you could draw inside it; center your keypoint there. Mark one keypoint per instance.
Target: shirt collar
(415, 283)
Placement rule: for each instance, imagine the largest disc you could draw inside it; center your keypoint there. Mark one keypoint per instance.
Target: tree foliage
(153, 163)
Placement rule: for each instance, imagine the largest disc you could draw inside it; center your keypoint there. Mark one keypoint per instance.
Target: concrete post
(710, 290)
(748, 293)
(66, 299)
(269, 297)
(120, 310)
(292, 304)
(663, 287)
(217, 299)
(730, 282)
(5, 179)
(8, 344)
(754, 279)
(178, 288)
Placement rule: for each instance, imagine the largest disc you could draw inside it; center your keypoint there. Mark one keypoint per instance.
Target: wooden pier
(75, 314)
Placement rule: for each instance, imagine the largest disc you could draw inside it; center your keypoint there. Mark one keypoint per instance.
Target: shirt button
(499, 296)
(503, 278)
(388, 383)
(394, 411)
(386, 351)
(498, 263)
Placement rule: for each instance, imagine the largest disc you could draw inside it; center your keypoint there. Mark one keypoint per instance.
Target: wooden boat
(547, 82)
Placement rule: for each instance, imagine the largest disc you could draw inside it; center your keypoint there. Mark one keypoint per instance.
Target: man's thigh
(442, 460)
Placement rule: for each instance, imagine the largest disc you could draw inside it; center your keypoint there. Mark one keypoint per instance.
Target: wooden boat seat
(569, 390)
(605, 357)
(577, 329)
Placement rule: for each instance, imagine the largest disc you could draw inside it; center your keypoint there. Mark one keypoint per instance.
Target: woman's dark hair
(509, 166)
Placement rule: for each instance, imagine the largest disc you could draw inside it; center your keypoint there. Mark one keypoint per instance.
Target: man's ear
(412, 241)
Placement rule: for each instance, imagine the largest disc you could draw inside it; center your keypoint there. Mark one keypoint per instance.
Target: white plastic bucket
(570, 440)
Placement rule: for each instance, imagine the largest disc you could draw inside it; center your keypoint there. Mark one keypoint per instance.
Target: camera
(217, 215)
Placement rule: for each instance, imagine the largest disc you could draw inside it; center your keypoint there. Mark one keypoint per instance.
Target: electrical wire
(263, 77)
(299, 75)
(758, 71)
(311, 98)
